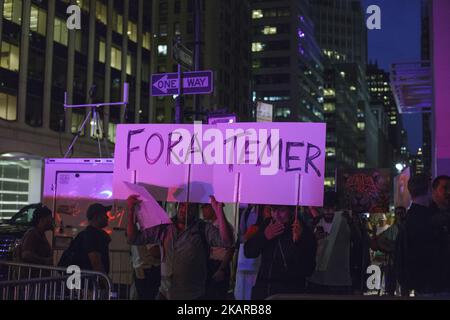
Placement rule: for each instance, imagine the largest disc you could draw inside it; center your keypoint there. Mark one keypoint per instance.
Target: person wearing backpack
(90, 248)
(184, 246)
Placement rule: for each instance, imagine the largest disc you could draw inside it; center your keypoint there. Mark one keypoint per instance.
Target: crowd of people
(279, 249)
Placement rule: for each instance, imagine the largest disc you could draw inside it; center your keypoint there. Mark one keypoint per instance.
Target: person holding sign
(184, 246)
(288, 250)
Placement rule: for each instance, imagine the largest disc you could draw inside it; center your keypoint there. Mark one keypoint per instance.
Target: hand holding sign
(215, 204)
(148, 211)
(296, 231)
(132, 201)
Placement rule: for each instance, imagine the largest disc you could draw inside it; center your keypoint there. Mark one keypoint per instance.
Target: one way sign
(196, 82)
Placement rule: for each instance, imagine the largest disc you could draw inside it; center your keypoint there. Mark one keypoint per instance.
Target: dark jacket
(415, 246)
(284, 264)
(440, 275)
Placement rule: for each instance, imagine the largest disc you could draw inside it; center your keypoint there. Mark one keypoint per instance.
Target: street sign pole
(178, 106)
(198, 25)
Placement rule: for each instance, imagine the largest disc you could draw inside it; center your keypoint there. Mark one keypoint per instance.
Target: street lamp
(400, 166)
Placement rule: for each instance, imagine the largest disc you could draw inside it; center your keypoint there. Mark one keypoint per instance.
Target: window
(38, 20)
(129, 65)
(9, 57)
(116, 58)
(77, 119)
(329, 93)
(257, 46)
(331, 152)
(12, 10)
(163, 30)
(162, 50)
(112, 127)
(132, 31)
(329, 182)
(329, 107)
(176, 28)
(257, 14)
(8, 107)
(283, 112)
(146, 41)
(361, 126)
(102, 51)
(361, 165)
(269, 30)
(60, 31)
(101, 12)
(118, 23)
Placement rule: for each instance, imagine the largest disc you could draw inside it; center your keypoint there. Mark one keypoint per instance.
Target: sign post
(196, 82)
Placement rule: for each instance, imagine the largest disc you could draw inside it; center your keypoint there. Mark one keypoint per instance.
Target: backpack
(72, 255)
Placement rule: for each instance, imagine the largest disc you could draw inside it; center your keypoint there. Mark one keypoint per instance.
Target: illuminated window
(283, 112)
(116, 58)
(132, 31)
(112, 127)
(342, 73)
(60, 31)
(162, 50)
(146, 41)
(361, 165)
(352, 88)
(129, 65)
(12, 10)
(329, 107)
(118, 23)
(329, 93)
(257, 14)
(102, 51)
(276, 98)
(361, 126)
(269, 30)
(331, 152)
(330, 182)
(257, 46)
(176, 28)
(101, 12)
(9, 57)
(83, 4)
(8, 107)
(77, 118)
(38, 20)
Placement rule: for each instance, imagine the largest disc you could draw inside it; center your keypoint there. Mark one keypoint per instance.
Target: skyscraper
(342, 34)
(341, 30)
(381, 94)
(286, 60)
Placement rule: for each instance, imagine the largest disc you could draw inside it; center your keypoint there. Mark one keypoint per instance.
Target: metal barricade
(35, 282)
(121, 272)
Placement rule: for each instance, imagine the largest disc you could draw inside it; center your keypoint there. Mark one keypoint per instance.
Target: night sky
(398, 41)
